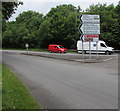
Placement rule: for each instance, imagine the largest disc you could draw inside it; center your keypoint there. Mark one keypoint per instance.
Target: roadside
(67, 56)
(46, 50)
(14, 94)
(74, 56)
(39, 50)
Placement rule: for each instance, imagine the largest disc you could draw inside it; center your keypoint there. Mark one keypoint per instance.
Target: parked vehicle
(102, 47)
(56, 48)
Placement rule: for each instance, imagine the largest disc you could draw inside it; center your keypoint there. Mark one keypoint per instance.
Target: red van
(56, 48)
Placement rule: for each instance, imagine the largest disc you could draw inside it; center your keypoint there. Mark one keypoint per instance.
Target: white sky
(44, 6)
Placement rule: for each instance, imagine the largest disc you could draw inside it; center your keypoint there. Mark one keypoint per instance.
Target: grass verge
(30, 49)
(38, 50)
(14, 94)
(0, 87)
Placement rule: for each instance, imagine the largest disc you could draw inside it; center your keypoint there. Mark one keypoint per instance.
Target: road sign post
(27, 45)
(89, 49)
(97, 49)
(82, 50)
(90, 30)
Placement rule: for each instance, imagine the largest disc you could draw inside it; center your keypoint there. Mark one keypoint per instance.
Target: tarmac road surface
(59, 84)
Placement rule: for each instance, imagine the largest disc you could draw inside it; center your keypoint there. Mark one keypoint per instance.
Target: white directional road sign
(90, 19)
(90, 24)
(90, 28)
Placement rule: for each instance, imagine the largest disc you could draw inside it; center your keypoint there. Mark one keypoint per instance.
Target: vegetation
(110, 23)
(8, 8)
(60, 26)
(0, 87)
(14, 94)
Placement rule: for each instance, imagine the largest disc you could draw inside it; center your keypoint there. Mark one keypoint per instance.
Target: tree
(14, 36)
(32, 21)
(116, 30)
(23, 30)
(109, 23)
(60, 27)
(8, 8)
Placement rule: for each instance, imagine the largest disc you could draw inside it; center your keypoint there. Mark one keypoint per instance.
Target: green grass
(12, 49)
(40, 50)
(0, 87)
(14, 94)
(72, 51)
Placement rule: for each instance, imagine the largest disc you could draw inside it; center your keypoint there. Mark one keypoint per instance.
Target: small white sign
(26, 45)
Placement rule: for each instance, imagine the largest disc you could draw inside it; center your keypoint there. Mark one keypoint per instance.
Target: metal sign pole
(89, 49)
(27, 49)
(82, 50)
(26, 45)
(97, 49)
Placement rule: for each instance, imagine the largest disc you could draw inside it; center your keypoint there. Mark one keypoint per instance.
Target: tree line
(60, 26)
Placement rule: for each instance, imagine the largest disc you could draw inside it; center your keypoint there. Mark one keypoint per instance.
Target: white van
(102, 47)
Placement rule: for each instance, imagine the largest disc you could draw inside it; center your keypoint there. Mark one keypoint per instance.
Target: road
(59, 84)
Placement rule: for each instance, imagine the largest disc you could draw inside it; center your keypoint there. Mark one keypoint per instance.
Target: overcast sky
(44, 6)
